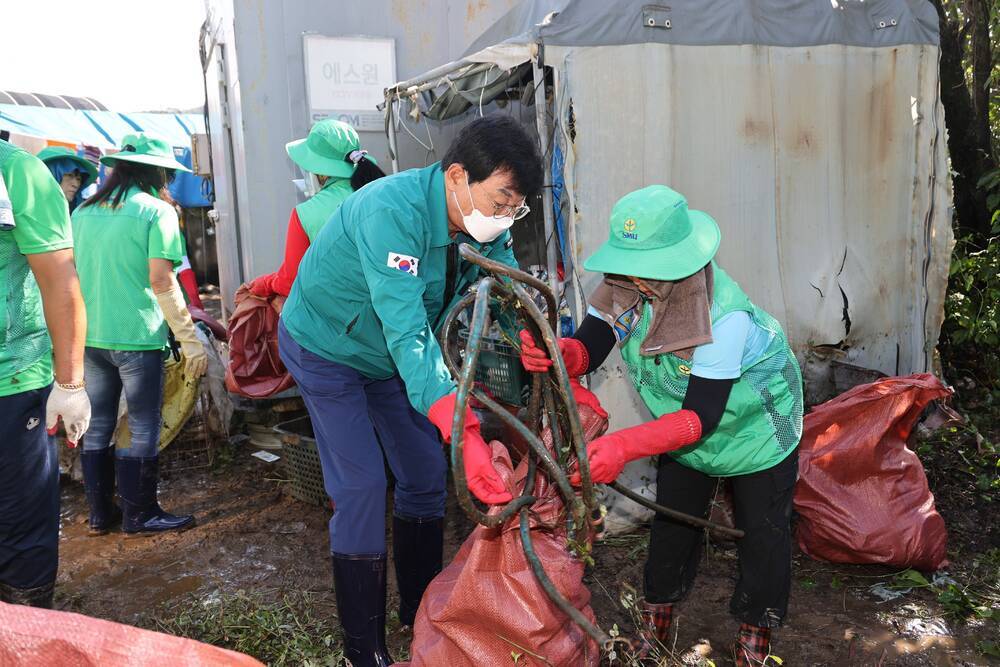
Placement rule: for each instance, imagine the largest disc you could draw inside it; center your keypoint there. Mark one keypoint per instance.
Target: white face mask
(484, 228)
(314, 184)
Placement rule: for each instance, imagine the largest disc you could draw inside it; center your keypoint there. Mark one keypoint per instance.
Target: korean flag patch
(403, 263)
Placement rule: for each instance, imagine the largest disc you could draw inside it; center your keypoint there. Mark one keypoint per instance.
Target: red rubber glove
(262, 286)
(586, 397)
(609, 453)
(480, 476)
(536, 359)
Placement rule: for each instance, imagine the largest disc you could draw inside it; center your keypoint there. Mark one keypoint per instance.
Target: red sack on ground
(44, 638)
(487, 604)
(255, 369)
(862, 494)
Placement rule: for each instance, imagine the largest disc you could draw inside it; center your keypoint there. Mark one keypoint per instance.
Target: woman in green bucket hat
(331, 155)
(128, 242)
(72, 172)
(717, 373)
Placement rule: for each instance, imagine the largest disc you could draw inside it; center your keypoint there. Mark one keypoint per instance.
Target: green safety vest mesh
(762, 422)
(315, 211)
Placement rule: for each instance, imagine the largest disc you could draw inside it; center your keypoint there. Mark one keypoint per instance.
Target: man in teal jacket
(358, 335)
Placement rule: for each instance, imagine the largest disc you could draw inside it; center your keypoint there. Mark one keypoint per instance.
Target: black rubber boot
(359, 583)
(40, 596)
(141, 513)
(99, 482)
(417, 548)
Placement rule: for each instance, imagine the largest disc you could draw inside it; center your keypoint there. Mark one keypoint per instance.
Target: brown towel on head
(681, 310)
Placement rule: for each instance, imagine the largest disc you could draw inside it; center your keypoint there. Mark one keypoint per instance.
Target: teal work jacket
(370, 289)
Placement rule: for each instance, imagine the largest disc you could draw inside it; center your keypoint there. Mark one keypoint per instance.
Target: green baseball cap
(655, 236)
(144, 149)
(325, 151)
(63, 153)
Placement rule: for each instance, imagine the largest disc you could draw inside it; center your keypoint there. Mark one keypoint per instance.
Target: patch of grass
(278, 632)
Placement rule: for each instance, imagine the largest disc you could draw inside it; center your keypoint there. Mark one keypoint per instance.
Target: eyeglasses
(508, 210)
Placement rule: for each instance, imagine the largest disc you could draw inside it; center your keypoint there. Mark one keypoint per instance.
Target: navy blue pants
(360, 423)
(29, 492)
(140, 374)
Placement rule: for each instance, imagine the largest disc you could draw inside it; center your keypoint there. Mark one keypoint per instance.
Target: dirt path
(251, 537)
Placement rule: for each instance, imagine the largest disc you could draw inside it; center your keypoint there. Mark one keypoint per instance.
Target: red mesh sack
(43, 638)
(255, 369)
(487, 604)
(862, 495)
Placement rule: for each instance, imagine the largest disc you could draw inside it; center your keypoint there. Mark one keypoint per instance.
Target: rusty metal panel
(822, 165)
(825, 167)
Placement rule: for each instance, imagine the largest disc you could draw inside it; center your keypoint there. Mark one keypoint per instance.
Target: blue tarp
(103, 129)
(188, 190)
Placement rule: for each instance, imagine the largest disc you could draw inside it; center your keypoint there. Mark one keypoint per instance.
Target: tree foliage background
(965, 468)
(970, 47)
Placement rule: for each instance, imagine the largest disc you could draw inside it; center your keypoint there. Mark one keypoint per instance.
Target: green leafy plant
(989, 648)
(976, 599)
(909, 579)
(972, 307)
(990, 183)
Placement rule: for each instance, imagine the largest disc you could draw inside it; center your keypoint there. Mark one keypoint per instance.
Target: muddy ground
(252, 537)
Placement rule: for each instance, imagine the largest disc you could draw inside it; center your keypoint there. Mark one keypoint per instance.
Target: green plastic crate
(499, 371)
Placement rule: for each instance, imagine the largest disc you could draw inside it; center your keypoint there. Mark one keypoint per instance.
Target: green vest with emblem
(762, 422)
(315, 211)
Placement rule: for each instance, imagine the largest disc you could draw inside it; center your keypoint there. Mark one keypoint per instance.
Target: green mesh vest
(762, 423)
(25, 349)
(315, 211)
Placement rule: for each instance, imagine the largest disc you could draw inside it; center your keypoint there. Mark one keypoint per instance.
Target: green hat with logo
(654, 235)
(144, 149)
(327, 150)
(51, 153)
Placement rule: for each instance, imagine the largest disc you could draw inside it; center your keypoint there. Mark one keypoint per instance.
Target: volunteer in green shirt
(717, 373)
(128, 243)
(39, 298)
(358, 335)
(73, 172)
(332, 159)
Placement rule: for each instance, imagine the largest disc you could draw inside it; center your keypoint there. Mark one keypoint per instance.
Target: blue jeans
(361, 423)
(29, 492)
(140, 374)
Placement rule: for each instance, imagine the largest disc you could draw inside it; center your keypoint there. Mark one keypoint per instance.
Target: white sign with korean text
(346, 78)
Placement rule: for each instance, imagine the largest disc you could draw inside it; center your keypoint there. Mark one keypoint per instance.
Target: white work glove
(180, 322)
(71, 403)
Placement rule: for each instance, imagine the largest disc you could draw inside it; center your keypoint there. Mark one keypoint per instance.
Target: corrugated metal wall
(824, 167)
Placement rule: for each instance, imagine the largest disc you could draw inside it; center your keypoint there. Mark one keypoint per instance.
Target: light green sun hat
(144, 149)
(325, 151)
(62, 153)
(655, 236)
